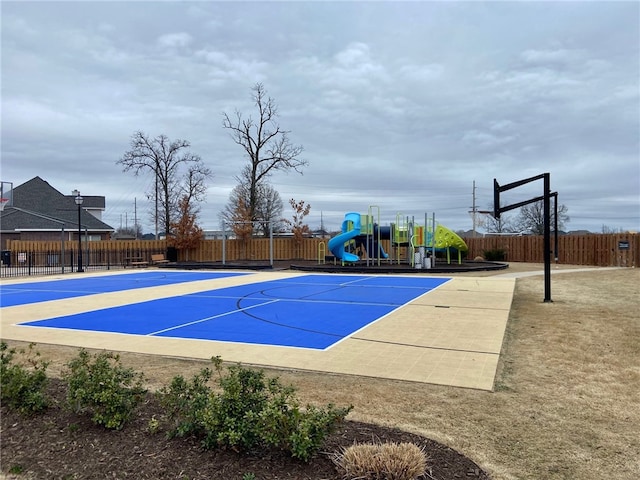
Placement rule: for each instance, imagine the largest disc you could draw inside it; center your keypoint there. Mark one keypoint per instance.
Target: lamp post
(79, 201)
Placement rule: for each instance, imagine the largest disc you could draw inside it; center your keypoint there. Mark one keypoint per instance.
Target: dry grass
(382, 461)
(566, 399)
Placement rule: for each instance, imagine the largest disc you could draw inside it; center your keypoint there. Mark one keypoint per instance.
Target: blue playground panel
(25, 293)
(311, 311)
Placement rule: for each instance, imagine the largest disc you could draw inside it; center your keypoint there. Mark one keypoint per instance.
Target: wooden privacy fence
(118, 252)
(257, 249)
(610, 250)
(597, 249)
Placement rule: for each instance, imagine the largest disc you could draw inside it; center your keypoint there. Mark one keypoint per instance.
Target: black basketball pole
(547, 238)
(546, 199)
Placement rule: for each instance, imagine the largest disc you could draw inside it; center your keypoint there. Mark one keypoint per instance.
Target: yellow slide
(446, 239)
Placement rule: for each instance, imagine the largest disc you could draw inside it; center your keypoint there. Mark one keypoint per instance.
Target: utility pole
(156, 199)
(474, 209)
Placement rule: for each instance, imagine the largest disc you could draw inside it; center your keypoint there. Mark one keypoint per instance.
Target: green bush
(310, 428)
(103, 388)
(23, 383)
(495, 255)
(184, 401)
(232, 418)
(249, 412)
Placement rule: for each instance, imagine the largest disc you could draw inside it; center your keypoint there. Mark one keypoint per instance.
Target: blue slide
(336, 244)
(383, 254)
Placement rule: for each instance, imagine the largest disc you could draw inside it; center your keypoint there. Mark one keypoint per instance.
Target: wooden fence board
(596, 249)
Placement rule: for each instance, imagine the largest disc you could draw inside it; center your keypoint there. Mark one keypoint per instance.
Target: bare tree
(268, 208)
(194, 186)
(241, 224)
(236, 197)
(299, 229)
(504, 224)
(606, 229)
(531, 218)
(266, 145)
(177, 173)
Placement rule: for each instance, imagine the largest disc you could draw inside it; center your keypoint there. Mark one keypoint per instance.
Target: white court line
(210, 318)
(354, 283)
(345, 284)
(29, 290)
(299, 300)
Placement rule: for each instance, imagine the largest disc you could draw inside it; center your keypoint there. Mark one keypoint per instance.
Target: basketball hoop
(3, 202)
(480, 218)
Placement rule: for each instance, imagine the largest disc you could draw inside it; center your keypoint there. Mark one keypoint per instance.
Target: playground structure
(362, 236)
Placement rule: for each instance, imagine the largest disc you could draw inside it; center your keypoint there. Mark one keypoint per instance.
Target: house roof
(38, 206)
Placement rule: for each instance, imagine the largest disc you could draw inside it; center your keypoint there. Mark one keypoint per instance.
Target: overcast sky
(398, 105)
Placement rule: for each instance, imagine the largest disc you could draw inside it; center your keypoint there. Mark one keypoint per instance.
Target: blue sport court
(307, 311)
(25, 293)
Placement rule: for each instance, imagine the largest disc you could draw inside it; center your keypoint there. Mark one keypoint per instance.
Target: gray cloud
(397, 105)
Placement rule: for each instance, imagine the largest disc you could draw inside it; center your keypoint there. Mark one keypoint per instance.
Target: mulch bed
(329, 266)
(61, 445)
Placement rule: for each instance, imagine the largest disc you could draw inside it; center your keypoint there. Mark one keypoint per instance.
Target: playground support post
(433, 240)
(370, 215)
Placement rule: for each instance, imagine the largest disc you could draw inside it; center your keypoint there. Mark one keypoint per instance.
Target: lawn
(566, 392)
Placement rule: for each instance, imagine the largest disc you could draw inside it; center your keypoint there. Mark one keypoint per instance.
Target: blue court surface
(25, 293)
(309, 311)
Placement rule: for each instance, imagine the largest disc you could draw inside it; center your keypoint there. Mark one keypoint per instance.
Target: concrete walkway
(554, 270)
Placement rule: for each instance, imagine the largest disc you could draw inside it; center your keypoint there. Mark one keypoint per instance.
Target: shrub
(384, 461)
(185, 401)
(233, 418)
(102, 387)
(249, 412)
(23, 383)
(495, 255)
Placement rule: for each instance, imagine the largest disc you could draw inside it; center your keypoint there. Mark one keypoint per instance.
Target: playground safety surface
(331, 266)
(448, 334)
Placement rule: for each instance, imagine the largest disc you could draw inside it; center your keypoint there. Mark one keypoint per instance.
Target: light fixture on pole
(79, 201)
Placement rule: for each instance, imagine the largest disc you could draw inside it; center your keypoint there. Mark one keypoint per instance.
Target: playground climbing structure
(362, 237)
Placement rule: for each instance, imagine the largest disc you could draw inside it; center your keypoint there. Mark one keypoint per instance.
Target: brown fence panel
(596, 249)
(625, 250)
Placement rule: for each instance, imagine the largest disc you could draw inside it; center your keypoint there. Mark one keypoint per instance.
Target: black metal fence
(19, 264)
(31, 260)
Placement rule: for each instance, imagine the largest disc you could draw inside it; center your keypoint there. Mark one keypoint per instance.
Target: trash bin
(6, 257)
(172, 254)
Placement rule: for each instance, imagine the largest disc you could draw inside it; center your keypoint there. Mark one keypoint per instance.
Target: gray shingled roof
(39, 206)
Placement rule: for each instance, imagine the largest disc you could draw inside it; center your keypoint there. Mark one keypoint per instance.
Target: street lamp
(79, 201)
